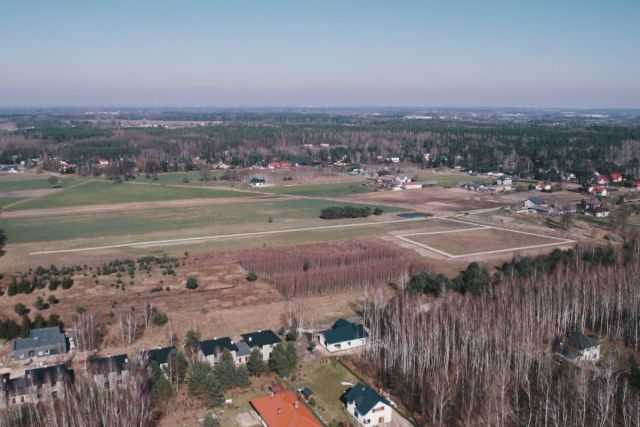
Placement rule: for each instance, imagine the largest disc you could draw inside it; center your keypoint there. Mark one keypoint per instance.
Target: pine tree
(225, 370)
(177, 366)
(242, 377)
(13, 287)
(255, 364)
(291, 357)
(209, 421)
(25, 326)
(215, 396)
(191, 344)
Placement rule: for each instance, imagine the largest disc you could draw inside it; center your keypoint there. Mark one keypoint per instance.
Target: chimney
(296, 404)
(249, 339)
(279, 411)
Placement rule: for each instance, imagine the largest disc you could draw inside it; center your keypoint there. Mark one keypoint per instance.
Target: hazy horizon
(496, 54)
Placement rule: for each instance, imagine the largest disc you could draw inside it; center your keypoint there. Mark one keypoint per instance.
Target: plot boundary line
(221, 236)
(404, 237)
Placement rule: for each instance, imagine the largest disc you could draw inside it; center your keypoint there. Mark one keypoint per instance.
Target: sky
(455, 53)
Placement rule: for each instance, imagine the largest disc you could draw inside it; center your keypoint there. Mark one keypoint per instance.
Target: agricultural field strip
(222, 236)
(404, 237)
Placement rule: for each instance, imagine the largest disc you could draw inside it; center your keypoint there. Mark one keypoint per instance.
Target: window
(381, 420)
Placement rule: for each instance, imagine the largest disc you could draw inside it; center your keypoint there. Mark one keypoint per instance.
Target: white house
(343, 335)
(578, 347)
(211, 350)
(367, 406)
(258, 182)
(266, 341)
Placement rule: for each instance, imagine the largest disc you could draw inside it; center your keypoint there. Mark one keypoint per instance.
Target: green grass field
(334, 189)
(106, 192)
(324, 377)
(225, 218)
(21, 183)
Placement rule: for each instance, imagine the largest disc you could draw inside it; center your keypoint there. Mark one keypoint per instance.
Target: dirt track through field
(222, 236)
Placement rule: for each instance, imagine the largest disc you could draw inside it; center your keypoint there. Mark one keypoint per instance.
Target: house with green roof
(343, 335)
(367, 406)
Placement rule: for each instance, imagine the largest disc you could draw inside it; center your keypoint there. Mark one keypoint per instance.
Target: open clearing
(479, 240)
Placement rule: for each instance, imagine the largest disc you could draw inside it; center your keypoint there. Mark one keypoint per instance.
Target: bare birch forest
(487, 360)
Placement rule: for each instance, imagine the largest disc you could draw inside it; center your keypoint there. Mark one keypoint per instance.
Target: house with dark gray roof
(42, 342)
(109, 372)
(577, 347)
(159, 355)
(367, 406)
(266, 341)
(211, 350)
(343, 335)
(37, 385)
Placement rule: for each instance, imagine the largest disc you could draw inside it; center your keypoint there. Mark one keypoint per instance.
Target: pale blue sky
(542, 53)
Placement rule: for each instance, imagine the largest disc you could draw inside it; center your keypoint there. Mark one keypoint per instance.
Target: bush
(67, 282)
(192, 282)
(378, 211)
(160, 319)
(252, 276)
(20, 309)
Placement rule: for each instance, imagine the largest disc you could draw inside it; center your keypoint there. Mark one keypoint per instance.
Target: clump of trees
(339, 212)
(284, 359)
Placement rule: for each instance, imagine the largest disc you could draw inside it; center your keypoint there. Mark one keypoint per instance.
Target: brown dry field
(440, 201)
(474, 241)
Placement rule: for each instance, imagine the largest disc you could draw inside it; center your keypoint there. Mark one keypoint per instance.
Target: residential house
(577, 347)
(600, 179)
(616, 177)
(636, 184)
(279, 165)
(257, 182)
(42, 342)
(594, 207)
(504, 181)
(343, 335)
(110, 372)
(159, 355)
(283, 410)
(37, 385)
(211, 350)
(263, 340)
(543, 186)
(598, 190)
(367, 406)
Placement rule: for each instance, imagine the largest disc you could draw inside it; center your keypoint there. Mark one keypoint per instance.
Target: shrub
(338, 212)
(192, 282)
(252, 276)
(378, 211)
(67, 282)
(20, 309)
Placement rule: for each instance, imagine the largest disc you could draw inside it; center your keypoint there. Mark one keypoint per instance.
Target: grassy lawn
(324, 377)
(4, 201)
(224, 218)
(31, 183)
(106, 192)
(333, 189)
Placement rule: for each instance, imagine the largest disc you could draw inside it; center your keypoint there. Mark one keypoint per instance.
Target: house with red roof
(616, 177)
(283, 410)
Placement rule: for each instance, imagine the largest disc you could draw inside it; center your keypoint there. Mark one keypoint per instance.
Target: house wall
(33, 394)
(44, 351)
(590, 354)
(112, 379)
(380, 414)
(345, 345)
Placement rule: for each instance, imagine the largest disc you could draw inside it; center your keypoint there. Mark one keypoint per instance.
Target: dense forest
(540, 148)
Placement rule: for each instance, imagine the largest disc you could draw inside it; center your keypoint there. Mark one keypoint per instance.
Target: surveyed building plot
(469, 239)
